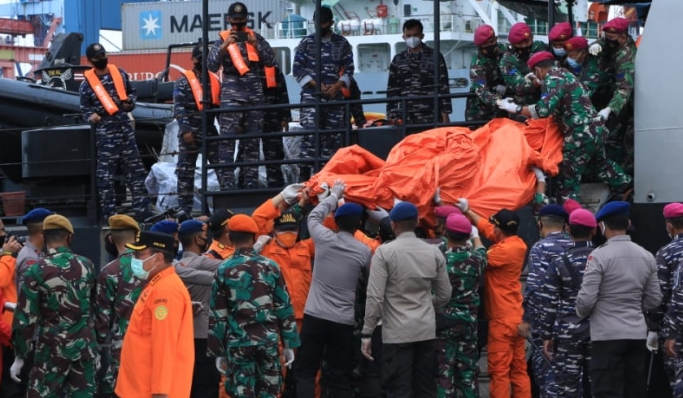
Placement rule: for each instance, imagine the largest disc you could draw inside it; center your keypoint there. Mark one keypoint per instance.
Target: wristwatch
(365, 336)
(519, 108)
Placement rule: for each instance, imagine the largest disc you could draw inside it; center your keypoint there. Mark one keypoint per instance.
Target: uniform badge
(161, 312)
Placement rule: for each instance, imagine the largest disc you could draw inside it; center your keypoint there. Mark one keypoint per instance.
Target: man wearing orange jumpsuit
(8, 293)
(157, 358)
(221, 247)
(503, 302)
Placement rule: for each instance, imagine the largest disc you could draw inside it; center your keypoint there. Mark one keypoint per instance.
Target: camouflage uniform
(584, 133)
(541, 255)
(669, 260)
(55, 304)
(241, 92)
(558, 320)
(250, 312)
(513, 68)
(115, 142)
(484, 77)
(117, 292)
(595, 76)
(411, 74)
(336, 58)
(273, 148)
(357, 112)
(673, 327)
(190, 119)
(456, 345)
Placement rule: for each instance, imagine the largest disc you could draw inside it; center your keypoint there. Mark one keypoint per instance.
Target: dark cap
(325, 14)
(152, 240)
(289, 219)
(165, 226)
(219, 219)
(615, 208)
(553, 210)
(506, 220)
(403, 211)
(349, 209)
(36, 216)
(190, 227)
(197, 52)
(94, 50)
(237, 10)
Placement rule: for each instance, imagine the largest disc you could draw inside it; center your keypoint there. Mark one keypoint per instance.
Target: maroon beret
(561, 32)
(576, 43)
(483, 33)
(616, 25)
(538, 58)
(519, 32)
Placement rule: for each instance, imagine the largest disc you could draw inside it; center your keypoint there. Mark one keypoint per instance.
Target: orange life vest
(198, 92)
(101, 93)
(252, 56)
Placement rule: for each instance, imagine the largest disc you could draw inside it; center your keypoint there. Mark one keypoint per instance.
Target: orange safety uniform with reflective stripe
(252, 56)
(101, 93)
(198, 91)
(8, 287)
(158, 350)
(372, 243)
(219, 251)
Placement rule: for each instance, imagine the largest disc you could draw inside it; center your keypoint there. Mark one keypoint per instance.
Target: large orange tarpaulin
(489, 166)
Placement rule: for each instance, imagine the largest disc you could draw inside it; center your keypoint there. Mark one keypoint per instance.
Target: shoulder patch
(161, 312)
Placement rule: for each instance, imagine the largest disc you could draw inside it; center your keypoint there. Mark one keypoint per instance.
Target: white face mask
(602, 228)
(559, 52)
(413, 42)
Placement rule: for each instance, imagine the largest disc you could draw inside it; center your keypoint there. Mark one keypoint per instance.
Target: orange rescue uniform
(158, 350)
(8, 288)
(503, 307)
(219, 251)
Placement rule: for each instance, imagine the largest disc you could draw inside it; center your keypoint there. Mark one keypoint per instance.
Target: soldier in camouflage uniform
(55, 304)
(241, 89)
(565, 98)
(115, 136)
(513, 64)
(592, 71)
(485, 78)
(117, 293)
(337, 69)
(456, 339)
(250, 312)
(566, 338)
(186, 110)
(553, 243)
(669, 260)
(276, 121)
(411, 74)
(618, 50)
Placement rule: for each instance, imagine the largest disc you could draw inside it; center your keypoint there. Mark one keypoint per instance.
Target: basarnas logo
(150, 25)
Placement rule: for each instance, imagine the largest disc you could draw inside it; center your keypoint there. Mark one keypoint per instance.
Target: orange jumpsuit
(158, 350)
(503, 306)
(219, 251)
(8, 287)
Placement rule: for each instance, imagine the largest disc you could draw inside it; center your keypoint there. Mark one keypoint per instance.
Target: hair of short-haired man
(406, 225)
(34, 229)
(550, 221)
(168, 256)
(580, 232)
(413, 23)
(347, 223)
(122, 236)
(549, 63)
(188, 239)
(619, 222)
(55, 236)
(240, 238)
(677, 222)
(457, 237)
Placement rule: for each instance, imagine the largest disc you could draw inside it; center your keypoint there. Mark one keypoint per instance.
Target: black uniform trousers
(618, 368)
(206, 378)
(409, 369)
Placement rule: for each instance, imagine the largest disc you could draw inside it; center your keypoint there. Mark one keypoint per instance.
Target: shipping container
(147, 26)
(147, 65)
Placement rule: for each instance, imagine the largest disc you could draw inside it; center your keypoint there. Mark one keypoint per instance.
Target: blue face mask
(137, 266)
(559, 52)
(573, 63)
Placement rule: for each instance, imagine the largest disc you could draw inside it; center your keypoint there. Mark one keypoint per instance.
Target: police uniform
(107, 95)
(557, 320)
(158, 348)
(485, 76)
(541, 255)
(247, 333)
(513, 65)
(336, 58)
(244, 68)
(187, 107)
(117, 292)
(55, 304)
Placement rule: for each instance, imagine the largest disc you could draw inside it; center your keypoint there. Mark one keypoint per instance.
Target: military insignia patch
(161, 312)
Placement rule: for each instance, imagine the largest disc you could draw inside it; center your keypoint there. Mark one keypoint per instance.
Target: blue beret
(403, 211)
(553, 211)
(36, 215)
(165, 227)
(191, 227)
(349, 209)
(613, 209)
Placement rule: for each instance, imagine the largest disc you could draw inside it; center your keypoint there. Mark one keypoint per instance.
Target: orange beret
(242, 223)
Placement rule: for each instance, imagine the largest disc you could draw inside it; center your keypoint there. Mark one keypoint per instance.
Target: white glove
(290, 193)
(437, 196)
(463, 204)
(325, 193)
(15, 369)
(508, 105)
(474, 233)
(261, 242)
(10, 306)
(222, 365)
(652, 343)
(532, 78)
(500, 89)
(378, 215)
(604, 113)
(540, 177)
(595, 49)
(338, 189)
(289, 357)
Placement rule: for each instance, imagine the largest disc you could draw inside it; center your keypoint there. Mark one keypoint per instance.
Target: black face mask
(100, 63)
(198, 66)
(202, 246)
(612, 44)
(490, 51)
(176, 249)
(110, 247)
(239, 26)
(325, 31)
(523, 52)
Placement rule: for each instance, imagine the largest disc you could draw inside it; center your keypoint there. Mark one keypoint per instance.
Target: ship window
(283, 55)
(374, 57)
